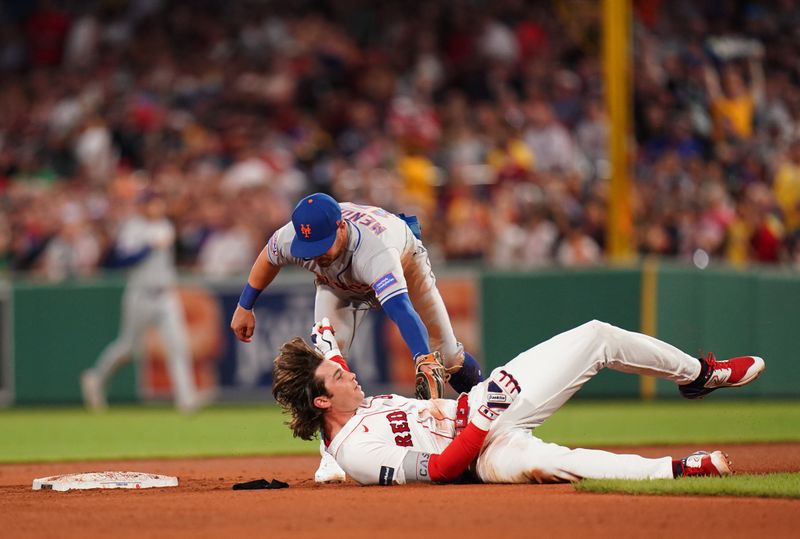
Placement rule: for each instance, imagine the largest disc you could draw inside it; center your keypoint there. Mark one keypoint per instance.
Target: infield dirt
(205, 506)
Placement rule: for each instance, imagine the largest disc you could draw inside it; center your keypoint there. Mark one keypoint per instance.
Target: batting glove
(322, 337)
(502, 389)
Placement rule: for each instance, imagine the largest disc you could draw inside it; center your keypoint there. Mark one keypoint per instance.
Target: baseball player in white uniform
(364, 257)
(390, 439)
(145, 245)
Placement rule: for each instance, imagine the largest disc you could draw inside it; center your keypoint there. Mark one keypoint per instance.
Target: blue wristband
(249, 297)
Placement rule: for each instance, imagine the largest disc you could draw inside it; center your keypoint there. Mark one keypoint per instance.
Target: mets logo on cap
(315, 219)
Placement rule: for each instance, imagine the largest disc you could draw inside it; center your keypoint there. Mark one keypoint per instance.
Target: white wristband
(484, 418)
(333, 352)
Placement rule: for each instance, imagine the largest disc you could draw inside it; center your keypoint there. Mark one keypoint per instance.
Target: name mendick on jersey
(364, 218)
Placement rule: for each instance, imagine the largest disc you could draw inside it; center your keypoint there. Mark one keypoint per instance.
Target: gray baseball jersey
(157, 268)
(380, 244)
(382, 259)
(149, 300)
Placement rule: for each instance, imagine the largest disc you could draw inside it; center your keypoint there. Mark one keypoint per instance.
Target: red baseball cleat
(734, 372)
(702, 464)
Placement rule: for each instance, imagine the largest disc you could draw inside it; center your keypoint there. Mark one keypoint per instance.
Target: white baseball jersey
(373, 445)
(380, 245)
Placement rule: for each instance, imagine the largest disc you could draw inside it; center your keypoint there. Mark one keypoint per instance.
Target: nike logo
(365, 428)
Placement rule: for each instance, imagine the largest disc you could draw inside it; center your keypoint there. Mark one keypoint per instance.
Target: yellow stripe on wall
(619, 103)
(649, 318)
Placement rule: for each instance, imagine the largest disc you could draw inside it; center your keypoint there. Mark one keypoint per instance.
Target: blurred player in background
(364, 257)
(389, 439)
(145, 245)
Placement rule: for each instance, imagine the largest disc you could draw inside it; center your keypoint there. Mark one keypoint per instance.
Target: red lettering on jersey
(353, 287)
(399, 415)
(400, 427)
(398, 421)
(353, 216)
(404, 441)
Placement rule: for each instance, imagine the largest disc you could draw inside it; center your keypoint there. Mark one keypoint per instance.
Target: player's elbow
(441, 472)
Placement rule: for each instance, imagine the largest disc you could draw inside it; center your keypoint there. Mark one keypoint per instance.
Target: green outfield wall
(523, 309)
(51, 332)
(734, 313)
(59, 330)
(725, 311)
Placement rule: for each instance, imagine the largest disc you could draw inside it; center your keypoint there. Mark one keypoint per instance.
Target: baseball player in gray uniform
(364, 257)
(389, 439)
(145, 245)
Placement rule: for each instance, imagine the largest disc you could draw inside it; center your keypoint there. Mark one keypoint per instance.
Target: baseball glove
(430, 376)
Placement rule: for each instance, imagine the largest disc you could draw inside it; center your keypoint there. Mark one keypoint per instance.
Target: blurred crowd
(485, 118)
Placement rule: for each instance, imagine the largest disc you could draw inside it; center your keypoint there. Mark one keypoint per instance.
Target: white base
(83, 481)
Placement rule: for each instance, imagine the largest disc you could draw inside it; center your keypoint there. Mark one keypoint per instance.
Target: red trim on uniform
(451, 463)
(462, 412)
(421, 424)
(340, 360)
(363, 417)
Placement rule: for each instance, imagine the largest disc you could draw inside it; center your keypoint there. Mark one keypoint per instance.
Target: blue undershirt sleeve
(412, 329)
(120, 260)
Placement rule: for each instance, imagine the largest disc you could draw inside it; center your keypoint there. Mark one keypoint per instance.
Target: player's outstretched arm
(262, 273)
(501, 390)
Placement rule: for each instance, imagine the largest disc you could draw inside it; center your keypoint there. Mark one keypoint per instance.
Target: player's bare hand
(243, 324)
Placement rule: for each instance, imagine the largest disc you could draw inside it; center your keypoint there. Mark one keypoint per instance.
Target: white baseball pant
(142, 308)
(550, 373)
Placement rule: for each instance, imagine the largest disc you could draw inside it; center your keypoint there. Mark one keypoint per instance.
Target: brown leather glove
(430, 376)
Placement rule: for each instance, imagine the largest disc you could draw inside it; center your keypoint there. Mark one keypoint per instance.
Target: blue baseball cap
(316, 219)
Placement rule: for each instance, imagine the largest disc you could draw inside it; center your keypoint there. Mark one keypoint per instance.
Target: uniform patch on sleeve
(273, 244)
(386, 476)
(384, 282)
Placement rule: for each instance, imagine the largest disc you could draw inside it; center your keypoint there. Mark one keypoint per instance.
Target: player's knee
(593, 328)
(452, 362)
(452, 357)
(599, 329)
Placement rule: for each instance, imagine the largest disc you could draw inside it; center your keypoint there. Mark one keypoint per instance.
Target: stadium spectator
(467, 114)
